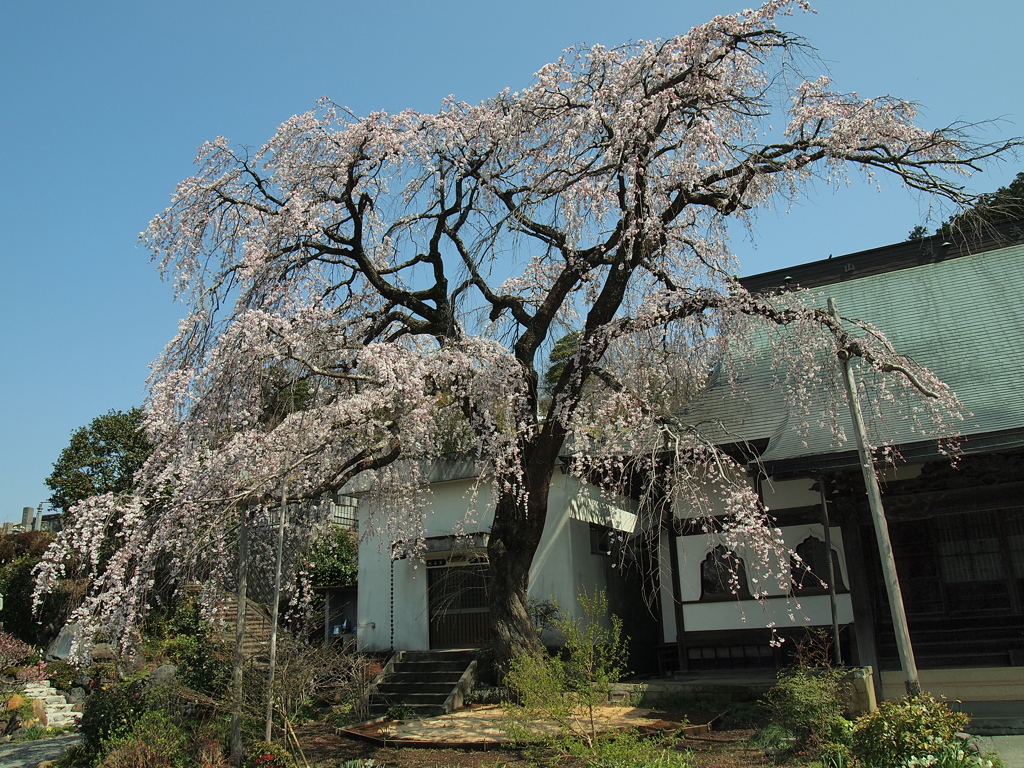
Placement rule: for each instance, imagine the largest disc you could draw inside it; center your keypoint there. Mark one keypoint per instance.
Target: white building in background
(439, 600)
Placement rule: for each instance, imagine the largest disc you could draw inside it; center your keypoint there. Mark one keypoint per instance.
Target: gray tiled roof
(962, 317)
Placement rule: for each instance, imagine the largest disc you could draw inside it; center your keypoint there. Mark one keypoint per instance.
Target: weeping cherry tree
(407, 275)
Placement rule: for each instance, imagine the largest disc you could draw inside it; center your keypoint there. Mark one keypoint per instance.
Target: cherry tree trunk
(515, 535)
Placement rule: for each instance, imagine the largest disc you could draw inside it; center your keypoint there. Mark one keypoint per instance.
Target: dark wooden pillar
(677, 595)
(865, 645)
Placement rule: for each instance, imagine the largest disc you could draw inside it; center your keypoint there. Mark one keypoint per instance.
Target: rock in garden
(39, 712)
(15, 701)
(13, 724)
(103, 652)
(76, 694)
(60, 648)
(165, 673)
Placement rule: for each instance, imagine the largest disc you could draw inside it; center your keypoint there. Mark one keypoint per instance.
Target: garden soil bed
(479, 727)
(325, 746)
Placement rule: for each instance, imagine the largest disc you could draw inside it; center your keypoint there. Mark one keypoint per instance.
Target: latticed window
(962, 563)
(1014, 529)
(458, 588)
(345, 513)
(969, 549)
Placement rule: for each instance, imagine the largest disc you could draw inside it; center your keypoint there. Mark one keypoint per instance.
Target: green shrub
(809, 704)
(155, 741)
(560, 693)
(202, 658)
(833, 755)
(25, 711)
(899, 731)
(741, 714)
(75, 756)
(19, 555)
(773, 738)
(203, 663)
(35, 732)
(625, 749)
(266, 754)
(62, 674)
(955, 754)
(111, 713)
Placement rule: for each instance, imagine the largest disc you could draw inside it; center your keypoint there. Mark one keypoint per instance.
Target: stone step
(39, 691)
(415, 711)
(61, 720)
(392, 688)
(421, 682)
(412, 699)
(435, 656)
(428, 673)
(449, 665)
(445, 678)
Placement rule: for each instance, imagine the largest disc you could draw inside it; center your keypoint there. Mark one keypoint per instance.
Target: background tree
(561, 352)
(102, 457)
(19, 555)
(1005, 204)
(333, 561)
(408, 265)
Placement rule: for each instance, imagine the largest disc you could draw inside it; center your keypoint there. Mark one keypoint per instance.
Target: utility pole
(892, 583)
(240, 609)
(272, 666)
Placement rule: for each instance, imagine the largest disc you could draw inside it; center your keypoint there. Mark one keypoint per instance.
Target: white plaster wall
(780, 494)
(445, 515)
(777, 610)
(562, 565)
(374, 629)
(708, 503)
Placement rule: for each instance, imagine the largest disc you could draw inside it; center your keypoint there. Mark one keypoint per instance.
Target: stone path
(28, 754)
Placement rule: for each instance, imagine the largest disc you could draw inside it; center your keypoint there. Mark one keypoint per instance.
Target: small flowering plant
(35, 673)
(266, 754)
(954, 754)
(917, 728)
(12, 650)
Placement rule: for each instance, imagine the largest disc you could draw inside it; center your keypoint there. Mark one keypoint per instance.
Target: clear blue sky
(103, 104)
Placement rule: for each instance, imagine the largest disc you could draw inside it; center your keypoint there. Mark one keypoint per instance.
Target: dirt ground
(323, 746)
